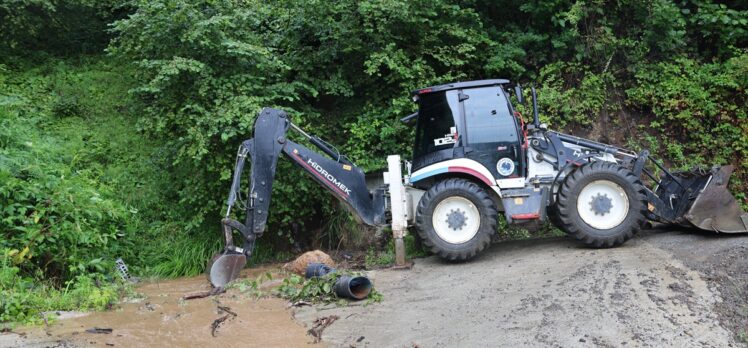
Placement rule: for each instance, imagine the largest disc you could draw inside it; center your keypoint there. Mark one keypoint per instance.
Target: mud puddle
(163, 319)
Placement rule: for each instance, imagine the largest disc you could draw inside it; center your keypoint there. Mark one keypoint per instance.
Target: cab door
(492, 135)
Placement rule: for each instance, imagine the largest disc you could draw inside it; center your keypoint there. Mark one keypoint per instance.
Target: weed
(508, 231)
(378, 258)
(23, 299)
(251, 287)
(317, 290)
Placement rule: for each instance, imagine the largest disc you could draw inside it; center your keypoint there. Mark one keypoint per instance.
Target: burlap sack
(299, 265)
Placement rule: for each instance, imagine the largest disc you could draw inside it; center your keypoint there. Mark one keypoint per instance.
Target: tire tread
(566, 205)
(485, 206)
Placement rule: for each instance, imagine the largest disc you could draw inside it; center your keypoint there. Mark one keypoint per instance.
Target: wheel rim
(456, 220)
(603, 204)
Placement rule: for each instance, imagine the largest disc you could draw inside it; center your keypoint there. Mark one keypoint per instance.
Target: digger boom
(338, 175)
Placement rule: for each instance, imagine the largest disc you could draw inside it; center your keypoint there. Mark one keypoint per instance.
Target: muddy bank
(163, 319)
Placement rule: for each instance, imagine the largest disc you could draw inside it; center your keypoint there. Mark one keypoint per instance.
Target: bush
(75, 192)
(23, 299)
(698, 111)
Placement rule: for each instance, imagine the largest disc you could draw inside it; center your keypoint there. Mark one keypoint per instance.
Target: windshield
(436, 128)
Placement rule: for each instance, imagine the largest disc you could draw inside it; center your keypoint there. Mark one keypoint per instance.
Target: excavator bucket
(715, 209)
(226, 265)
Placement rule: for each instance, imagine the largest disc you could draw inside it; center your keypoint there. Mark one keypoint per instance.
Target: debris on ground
(222, 319)
(319, 325)
(227, 309)
(202, 294)
(299, 265)
(99, 330)
(300, 303)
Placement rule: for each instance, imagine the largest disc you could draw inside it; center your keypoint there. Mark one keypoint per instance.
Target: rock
(299, 265)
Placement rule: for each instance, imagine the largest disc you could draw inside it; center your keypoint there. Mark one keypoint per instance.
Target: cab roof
(459, 85)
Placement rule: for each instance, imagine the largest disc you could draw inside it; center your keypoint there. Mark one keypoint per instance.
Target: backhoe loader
(474, 157)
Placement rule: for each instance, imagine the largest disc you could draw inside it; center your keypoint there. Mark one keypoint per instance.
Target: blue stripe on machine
(429, 173)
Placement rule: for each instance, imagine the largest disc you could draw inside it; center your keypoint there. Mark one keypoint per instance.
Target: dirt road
(659, 289)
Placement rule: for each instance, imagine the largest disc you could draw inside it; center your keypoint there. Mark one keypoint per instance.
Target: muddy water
(163, 319)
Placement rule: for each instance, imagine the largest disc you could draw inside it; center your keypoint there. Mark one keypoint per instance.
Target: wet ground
(163, 319)
(663, 288)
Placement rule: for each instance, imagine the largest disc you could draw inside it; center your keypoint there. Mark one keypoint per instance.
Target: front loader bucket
(715, 209)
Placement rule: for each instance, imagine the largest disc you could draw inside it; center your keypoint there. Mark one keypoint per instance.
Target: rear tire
(602, 204)
(455, 219)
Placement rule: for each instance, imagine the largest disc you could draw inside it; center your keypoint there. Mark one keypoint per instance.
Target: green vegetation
(251, 287)
(513, 231)
(119, 119)
(319, 289)
(26, 298)
(379, 257)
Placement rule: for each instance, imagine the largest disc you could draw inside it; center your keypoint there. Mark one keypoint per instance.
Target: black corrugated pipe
(353, 287)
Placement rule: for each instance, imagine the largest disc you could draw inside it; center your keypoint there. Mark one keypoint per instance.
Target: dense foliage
(129, 152)
(344, 70)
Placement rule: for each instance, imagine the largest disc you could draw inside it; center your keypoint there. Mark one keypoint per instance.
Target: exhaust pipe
(352, 287)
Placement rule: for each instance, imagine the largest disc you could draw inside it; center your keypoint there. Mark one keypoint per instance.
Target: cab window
(437, 114)
(488, 117)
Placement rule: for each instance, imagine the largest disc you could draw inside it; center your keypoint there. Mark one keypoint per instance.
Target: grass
(80, 187)
(24, 299)
(385, 257)
(518, 232)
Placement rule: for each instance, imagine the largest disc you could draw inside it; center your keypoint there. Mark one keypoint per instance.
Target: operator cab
(473, 120)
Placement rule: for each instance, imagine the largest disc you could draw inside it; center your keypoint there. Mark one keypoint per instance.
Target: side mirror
(518, 93)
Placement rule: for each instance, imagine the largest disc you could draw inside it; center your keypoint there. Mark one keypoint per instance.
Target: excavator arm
(334, 172)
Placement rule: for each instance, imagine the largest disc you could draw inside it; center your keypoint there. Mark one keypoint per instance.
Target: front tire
(602, 204)
(455, 219)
